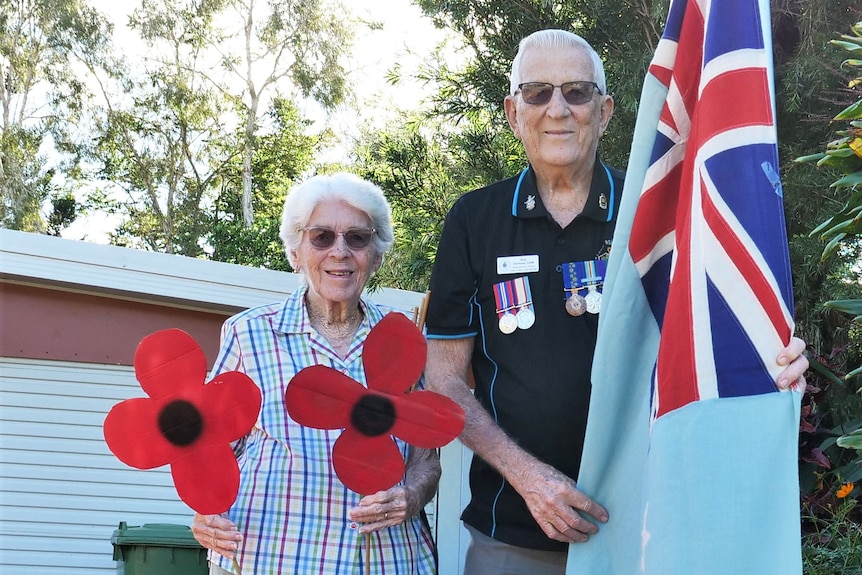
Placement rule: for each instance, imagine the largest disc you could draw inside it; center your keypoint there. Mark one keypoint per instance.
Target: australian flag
(690, 445)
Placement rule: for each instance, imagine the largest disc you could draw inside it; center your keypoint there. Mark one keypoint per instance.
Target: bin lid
(155, 535)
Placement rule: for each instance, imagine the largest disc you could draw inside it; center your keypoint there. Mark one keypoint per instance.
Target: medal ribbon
(503, 297)
(578, 275)
(571, 283)
(522, 292)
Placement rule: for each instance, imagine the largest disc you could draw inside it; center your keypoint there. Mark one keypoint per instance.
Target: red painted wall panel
(40, 323)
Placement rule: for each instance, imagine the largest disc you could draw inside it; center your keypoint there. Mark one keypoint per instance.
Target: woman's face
(337, 274)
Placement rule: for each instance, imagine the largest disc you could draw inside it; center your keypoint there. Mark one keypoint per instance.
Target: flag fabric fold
(690, 445)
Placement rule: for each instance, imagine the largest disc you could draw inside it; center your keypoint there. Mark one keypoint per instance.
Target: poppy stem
(236, 567)
(367, 553)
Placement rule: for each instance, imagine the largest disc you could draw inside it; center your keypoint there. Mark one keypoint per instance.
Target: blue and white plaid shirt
(292, 508)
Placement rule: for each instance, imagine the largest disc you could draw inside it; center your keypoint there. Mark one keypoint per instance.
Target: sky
(406, 37)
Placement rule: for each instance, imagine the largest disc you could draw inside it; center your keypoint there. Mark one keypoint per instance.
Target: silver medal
(593, 300)
(526, 318)
(508, 323)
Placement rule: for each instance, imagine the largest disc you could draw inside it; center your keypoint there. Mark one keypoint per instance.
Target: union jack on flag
(708, 236)
(689, 446)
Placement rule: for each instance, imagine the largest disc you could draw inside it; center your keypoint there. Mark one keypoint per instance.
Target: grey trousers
(487, 556)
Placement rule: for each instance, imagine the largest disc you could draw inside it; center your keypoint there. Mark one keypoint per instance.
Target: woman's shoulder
(255, 314)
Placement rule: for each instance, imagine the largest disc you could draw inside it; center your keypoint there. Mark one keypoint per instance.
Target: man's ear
(511, 109)
(607, 111)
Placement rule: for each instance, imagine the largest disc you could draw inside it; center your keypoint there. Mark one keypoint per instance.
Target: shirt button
(561, 241)
(353, 525)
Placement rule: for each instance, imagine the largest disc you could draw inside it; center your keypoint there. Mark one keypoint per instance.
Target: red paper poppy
(365, 457)
(184, 422)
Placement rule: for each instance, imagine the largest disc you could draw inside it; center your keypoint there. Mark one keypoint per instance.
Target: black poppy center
(373, 415)
(181, 422)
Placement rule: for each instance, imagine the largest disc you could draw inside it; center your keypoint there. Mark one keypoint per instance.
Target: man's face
(558, 134)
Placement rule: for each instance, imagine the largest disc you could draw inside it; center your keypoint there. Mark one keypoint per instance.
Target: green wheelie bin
(158, 549)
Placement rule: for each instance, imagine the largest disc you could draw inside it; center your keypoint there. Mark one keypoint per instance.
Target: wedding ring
(385, 515)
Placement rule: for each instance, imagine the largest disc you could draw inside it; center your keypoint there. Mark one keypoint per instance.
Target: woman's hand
(383, 509)
(397, 504)
(217, 533)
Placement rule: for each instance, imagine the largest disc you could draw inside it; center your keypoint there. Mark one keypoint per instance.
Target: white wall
(62, 493)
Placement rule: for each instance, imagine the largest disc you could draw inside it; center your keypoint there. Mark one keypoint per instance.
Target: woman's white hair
(340, 187)
(555, 38)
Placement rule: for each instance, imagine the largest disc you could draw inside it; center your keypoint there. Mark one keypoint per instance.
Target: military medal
(575, 304)
(508, 323)
(578, 276)
(514, 305)
(523, 300)
(503, 298)
(593, 299)
(526, 318)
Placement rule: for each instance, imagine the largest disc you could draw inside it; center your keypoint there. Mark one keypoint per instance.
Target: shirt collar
(293, 316)
(527, 203)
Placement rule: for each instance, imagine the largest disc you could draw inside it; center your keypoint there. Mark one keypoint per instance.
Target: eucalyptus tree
(197, 106)
(161, 139)
(281, 157)
(298, 47)
(46, 50)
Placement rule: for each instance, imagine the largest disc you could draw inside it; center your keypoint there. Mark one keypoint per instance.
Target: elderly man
(515, 295)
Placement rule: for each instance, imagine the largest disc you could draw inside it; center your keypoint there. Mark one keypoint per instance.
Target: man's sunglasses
(323, 238)
(575, 93)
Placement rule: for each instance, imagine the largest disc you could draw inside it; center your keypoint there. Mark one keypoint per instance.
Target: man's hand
(556, 504)
(797, 364)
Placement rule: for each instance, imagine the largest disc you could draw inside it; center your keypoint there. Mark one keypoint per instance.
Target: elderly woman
(292, 514)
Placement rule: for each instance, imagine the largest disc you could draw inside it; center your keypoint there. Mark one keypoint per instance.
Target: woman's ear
(378, 261)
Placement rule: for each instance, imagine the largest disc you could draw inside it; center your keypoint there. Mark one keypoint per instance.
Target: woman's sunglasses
(355, 238)
(575, 93)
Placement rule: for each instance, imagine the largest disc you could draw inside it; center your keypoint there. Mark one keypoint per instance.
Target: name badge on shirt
(517, 264)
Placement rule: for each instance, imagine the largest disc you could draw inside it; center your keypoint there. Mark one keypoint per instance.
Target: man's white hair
(555, 38)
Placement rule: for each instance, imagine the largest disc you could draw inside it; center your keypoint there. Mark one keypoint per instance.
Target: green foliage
(46, 48)
(64, 212)
(833, 545)
(831, 444)
(305, 42)
(162, 140)
(844, 155)
(810, 92)
(24, 183)
(281, 157)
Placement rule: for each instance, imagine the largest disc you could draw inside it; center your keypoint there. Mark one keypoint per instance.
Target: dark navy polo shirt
(534, 382)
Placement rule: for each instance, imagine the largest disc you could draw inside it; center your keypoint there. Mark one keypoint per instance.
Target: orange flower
(845, 490)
